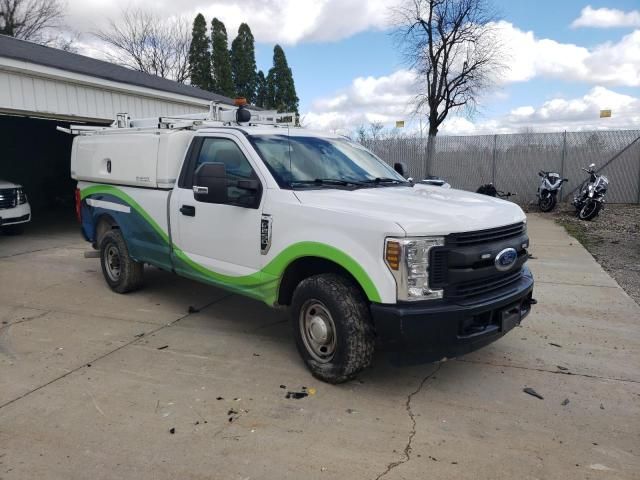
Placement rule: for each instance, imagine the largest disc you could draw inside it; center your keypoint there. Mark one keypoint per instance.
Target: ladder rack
(219, 115)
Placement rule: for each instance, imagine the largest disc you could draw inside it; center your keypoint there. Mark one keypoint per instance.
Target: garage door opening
(37, 156)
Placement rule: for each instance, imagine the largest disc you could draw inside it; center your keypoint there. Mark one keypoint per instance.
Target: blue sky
(323, 68)
(567, 59)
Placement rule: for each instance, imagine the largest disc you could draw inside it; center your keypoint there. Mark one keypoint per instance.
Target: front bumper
(15, 215)
(447, 329)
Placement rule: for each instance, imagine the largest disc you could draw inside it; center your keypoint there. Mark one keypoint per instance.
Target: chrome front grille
(8, 198)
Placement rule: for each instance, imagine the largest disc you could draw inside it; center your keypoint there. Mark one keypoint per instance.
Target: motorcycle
(589, 199)
(490, 189)
(548, 190)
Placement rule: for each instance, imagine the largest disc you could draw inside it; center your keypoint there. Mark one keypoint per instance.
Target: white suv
(15, 211)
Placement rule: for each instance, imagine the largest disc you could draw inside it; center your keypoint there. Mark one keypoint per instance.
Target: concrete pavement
(91, 383)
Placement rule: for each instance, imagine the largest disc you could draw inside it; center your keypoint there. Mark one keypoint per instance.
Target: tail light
(78, 205)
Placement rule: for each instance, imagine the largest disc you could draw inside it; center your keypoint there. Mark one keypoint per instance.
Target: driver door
(224, 238)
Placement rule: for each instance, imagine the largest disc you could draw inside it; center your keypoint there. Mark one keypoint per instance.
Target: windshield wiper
(329, 182)
(383, 180)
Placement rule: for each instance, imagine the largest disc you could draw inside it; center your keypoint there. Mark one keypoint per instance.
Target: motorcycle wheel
(589, 211)
(547, 204)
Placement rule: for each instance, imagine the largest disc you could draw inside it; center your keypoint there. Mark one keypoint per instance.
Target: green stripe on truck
(263, 284)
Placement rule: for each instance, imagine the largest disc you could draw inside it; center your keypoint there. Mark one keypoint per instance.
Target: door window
(226, 151)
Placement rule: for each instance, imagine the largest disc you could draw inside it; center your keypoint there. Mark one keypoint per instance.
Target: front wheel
(547, 204)
(589, 211)
(332, 327)
(122, 273)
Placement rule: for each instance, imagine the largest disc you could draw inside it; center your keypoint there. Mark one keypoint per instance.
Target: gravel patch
(613, 239)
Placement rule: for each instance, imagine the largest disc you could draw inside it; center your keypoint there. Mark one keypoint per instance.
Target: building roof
(72, 62)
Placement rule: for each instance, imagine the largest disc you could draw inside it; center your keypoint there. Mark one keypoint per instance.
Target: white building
(42, 87)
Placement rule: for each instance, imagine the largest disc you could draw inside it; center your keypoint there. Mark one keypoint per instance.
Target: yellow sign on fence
(399, 123)
(605, 113)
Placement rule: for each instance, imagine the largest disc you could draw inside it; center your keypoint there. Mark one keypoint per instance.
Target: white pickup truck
(362, 257)
(15, 211)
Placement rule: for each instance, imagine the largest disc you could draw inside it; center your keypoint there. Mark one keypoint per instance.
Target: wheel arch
(102, 224)
(308, 266)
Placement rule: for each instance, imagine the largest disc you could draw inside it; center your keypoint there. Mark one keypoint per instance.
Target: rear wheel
(332, 327)
(547, 204)
(589, 211)
(122, 273)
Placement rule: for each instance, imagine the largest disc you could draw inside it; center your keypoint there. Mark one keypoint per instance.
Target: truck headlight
(408, 260)
(21, 197)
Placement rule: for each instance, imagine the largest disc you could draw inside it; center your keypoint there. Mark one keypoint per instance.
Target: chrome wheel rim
(318, 331)
(112, 262)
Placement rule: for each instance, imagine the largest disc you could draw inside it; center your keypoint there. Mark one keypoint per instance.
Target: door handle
(188, 210)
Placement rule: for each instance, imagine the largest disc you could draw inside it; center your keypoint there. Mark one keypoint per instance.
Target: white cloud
(606, 18)
(557, 114)
(611, 63)
(368, 99)
(283, 21)
(388, 98)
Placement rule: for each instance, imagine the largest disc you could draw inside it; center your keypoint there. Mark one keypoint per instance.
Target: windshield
(303, 162)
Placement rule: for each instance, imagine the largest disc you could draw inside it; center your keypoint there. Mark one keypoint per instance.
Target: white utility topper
(362, 257)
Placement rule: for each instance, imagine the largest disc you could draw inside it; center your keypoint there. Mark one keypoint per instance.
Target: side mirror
(565, 179)
(400, 167)
(210, 183)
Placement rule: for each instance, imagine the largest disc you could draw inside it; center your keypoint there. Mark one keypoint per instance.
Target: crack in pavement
(23, 320)
(407, 449)
(135, 339)
(37, 250)
(544, 370)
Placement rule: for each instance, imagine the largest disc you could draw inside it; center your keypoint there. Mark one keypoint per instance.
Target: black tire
(121, 272)
(349, 350)
(547, 204)
(589, 211)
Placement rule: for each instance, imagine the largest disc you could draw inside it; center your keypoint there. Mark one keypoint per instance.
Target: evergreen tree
(243, 64)
(281, 90)
(261, 91)
(199, 59)
(220, 61)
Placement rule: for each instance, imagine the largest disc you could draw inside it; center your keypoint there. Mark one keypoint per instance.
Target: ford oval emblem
(506, 259)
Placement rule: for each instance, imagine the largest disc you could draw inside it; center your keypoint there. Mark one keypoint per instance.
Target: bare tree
(33, 20)
(361, 134)
(453, 48)
(375, 130)
(142, 41)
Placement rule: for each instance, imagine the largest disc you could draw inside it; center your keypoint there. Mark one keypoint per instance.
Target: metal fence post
(638, 185)
(493, 163)
(564, 153)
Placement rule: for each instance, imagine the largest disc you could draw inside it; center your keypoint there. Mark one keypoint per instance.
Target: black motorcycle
(589, 199)
(548, 190)
(490, 189)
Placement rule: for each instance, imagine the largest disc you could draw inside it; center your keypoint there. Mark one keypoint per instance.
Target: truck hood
(419, 210)
(5, 184)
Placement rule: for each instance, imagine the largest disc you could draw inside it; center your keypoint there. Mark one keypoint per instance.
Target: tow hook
(531, 301)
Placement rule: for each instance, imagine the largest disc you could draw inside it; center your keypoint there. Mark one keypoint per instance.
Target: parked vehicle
(548, 190)
(589, 199)
(361, 257)
(15, 210)
(490, 190)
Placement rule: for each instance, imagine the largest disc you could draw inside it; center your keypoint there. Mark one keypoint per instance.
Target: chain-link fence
(511, 162)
